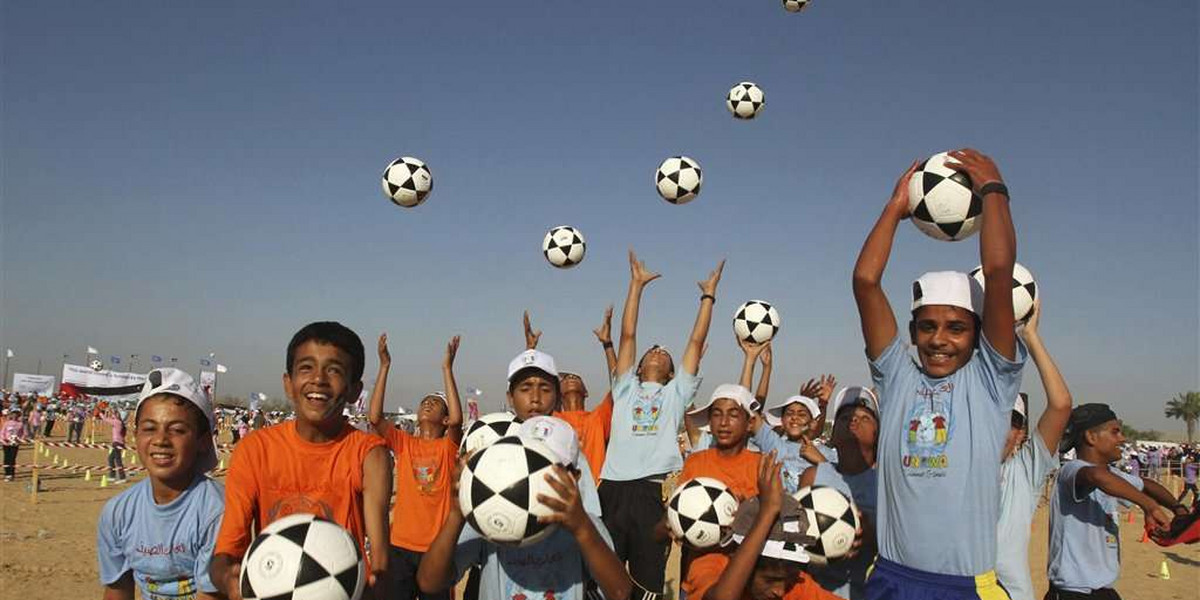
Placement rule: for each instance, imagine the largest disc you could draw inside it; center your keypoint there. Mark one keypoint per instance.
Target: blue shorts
(892, 581)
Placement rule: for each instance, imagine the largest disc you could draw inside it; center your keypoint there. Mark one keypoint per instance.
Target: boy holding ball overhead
(944, 420)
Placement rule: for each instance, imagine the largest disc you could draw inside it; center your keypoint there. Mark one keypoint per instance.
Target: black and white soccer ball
(744, 100)
(407, 181)
(498, 491)
(832, 518)
(564, 246)
(795, 5)
(485, 430)
(1024, 289)
(698, 510)
(941, 201)
(96, 365)
(756, 321)
(678, 179)
(303, 557)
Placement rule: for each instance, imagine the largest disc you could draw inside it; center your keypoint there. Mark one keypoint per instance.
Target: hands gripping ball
(1024, 290)
(407, 181)
(564, 246)
(756, 321)
(303, 557)
(678, 179)
(485, 430)
(699, 509)
(498, 491)
(832, 519)
(941, 201)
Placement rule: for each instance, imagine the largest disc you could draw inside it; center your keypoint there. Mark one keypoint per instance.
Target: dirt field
(48, 549)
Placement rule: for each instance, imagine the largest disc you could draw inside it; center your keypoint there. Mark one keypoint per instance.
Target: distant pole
(61, 367)
(39, 368)
(6, 359)
(133, 358)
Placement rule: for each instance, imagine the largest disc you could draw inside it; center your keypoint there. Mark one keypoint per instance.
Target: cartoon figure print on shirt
(425, 472)
(646, 408)
(298, 503)
(928, 431)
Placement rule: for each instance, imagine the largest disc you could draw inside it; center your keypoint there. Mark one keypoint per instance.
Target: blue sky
(184, 179)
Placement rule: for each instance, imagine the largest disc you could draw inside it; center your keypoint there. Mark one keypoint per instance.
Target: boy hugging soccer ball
(317, 464)
(944, 420)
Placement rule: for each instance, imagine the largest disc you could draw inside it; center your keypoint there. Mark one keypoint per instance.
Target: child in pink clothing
(11, 434)
(116, 466)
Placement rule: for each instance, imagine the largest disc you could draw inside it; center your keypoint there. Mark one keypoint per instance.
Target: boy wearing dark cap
(1085, 543)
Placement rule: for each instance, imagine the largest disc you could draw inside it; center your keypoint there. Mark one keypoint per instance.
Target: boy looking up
(727, 413)
(315, 464)
(943, 421)
(424, 461)
(648, 407)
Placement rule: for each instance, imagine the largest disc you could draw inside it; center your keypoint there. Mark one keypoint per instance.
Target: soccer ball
(744, 100)
(678, 179)
(498, 491)
(303, 557)
(485, 430)
(941, 201)
(795, 5)
(96, 365)
(756, 321)
(407, 181)
(699, 509)
(564, 246)
(832, 519)
(1024, 290)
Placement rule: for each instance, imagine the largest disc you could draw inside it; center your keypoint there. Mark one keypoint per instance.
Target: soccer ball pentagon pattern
(1024, 290)
(678, 179)
(699, 509)
(756, 321)
(831, 519)
(485, 430)
(564, 246)
(96, 365)
(795, 5)
(407, 181)
(303, 557)
(941, 201)
(498, 491)
(744, 100)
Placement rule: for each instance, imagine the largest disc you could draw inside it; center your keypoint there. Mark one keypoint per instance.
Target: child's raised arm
(454, 418)
(1058, 398)
(708, 298)
(874, 311)
(639, 276)
(604, 336)
(375, 407)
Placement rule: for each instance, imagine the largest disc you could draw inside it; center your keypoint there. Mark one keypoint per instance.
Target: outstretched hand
(385, 357)
(604, 331)
(1030, 328)
(981, 169)
(770, 483)
(638, 271)
(709, 286)
(451, 352)
(899, 199)
(531, 337)
(765, 357)
(567, 507)
(753, 350)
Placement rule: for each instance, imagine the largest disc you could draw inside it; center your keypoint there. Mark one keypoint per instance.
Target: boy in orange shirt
(727, 414)
(424, 462)
(315, 464)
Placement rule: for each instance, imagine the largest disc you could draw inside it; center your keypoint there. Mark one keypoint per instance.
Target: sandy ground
(48, 549)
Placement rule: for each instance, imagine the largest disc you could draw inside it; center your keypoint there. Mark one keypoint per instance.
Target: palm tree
(1185, 406)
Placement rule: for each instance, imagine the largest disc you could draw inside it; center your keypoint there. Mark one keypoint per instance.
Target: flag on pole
(116, 360)
(155, 358)
(92, 350)
(204, 362)
(222, 369)
(8, 353)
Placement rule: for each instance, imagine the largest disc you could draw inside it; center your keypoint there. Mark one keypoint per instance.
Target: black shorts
(631, 512)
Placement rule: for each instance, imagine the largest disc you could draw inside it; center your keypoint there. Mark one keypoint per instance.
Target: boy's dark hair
(198, 417)
(336, 334)
(528, 372)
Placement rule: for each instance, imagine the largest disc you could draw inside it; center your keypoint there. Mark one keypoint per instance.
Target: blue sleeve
(204, 553)
(113, 562)
(1066, 477)
(885, 370)
(1044, 461)
(704, 442)
(588, 494)
(468, 552)
(623, 386)
(768, 440)
(682, 388)
(1001, 376)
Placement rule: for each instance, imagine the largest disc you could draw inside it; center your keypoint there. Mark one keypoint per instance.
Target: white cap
(948, 288)
(855, 395)
(556, 434)
(774, 412)
(535, 359)
(732, 391)
(178, 383)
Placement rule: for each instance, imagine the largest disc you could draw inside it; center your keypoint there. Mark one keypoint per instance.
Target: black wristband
(710, 297)
(994, 187)
(606, 344)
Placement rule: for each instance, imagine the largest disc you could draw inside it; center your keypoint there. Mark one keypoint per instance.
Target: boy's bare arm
(454, 415)
(695, 345)
(436, 570)
(639, 276)
(1058, 396)
(375, 408)
(377, 491)
(874, 311)
(1101, 478)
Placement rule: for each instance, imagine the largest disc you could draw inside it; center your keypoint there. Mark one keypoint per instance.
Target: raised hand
(981, 169)
(567, 507)
(709, 286)
(638, 271)
(765, 357)
(811, 388)
(604, 331)
(1030, 329)
(531, 337)
(753, 350)
(451, 352)
(899, 199)
(385, 357)
(826, 385)
(770, 483)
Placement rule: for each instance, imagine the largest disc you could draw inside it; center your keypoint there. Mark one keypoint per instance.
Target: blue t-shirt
(1085, 541)
(940, 444)
(168, 547)
(646, 416)
(552, 568)
(847, 578)
(1021, 480)
(787, 452)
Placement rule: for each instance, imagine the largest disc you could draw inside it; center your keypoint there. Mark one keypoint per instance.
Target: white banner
(42, 385)
(83, 376)
(208, 383)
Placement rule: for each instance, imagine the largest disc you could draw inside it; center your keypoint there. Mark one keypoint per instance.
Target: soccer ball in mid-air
(678, 179)
(485, 430)
(1024, 289)
(756, 321)
(96, 365)
(407, 181)
(832, 519)
(698, 510)
(795, 5)
(941, 201)
(564, 246)
(744, 100)
(498, 491)
(303, 557)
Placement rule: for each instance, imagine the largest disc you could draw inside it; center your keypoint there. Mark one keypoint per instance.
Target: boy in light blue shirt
(160, 533)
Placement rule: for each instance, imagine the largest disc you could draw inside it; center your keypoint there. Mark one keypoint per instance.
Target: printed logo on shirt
(928, 431)
(425, 473)
(542, 571)
(645, 413)
(297, 504)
